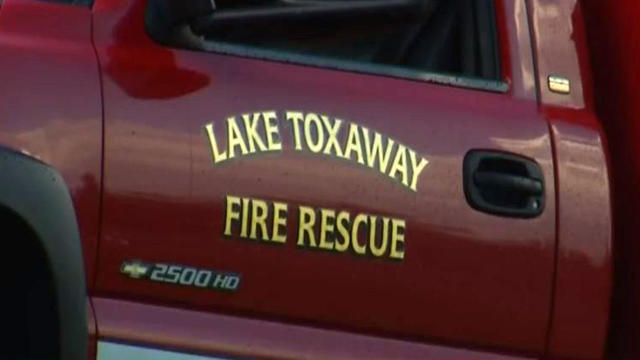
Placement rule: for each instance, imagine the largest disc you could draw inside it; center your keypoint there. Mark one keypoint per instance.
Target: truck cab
(312, 179)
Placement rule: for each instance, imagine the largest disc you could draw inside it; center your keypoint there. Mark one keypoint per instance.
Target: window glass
(449, 37)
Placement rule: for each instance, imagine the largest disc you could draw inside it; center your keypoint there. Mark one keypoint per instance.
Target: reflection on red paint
(161, 79)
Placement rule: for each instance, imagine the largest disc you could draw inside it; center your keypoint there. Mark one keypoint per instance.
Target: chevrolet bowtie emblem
(134, 269)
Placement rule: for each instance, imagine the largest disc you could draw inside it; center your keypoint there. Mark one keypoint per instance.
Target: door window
(420, 39)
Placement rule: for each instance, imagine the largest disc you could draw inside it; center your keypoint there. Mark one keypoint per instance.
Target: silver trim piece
(559, 84)
(114, 351)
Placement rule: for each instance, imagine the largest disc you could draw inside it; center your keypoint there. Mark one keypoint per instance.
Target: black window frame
(87, 3)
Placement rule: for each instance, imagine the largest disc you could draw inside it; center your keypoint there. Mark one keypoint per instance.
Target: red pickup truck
(319, 179)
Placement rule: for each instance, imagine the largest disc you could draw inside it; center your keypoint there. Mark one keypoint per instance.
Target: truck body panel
(51, 101)
(580, 316)
(168, 179)
(613, 38)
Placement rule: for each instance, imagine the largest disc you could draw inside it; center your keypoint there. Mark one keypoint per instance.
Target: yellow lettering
(416, 169)
(295, 118)
(400, 165)
(235, 138)
(231, 213)
(359, 249)
(326, 227)
(332, 140)
(375, 150)
(397, 238)
(259, 217)
(321, 134)
(343, 217)
(316, 146)
(279, 220)
(334, 231)
(307, 217)
(217, 156)
(353, 144)
(376, 250)
(253, 137)
(271, 128)
(245, 217)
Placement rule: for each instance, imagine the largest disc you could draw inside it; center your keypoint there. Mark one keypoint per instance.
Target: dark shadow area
(28, 306)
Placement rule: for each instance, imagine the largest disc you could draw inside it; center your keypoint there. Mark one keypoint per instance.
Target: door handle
(508, 182)
(503, 184)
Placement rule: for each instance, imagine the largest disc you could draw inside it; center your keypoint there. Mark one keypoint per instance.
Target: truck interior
(425, 36)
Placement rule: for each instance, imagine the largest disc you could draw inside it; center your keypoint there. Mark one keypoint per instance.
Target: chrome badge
(181, 275)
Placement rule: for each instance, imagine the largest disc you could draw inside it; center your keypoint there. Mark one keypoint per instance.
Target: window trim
(87, 3)
(181, 35)
(287, 57)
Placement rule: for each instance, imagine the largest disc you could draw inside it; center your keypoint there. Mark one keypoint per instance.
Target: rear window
(449, 41)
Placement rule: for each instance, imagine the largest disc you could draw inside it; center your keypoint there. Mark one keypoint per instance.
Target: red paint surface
(50, 106)
(468, 278)
(223, 335)
(583, 281)
(560, 49)
(583, 286)
(614, 38)
(516, 48)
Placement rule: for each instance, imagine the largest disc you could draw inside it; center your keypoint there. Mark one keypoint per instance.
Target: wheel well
(28, 305)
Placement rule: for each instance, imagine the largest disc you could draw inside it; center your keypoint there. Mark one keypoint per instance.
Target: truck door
(320, 165)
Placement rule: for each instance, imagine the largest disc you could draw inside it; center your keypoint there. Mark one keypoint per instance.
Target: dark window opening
(449, 41)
